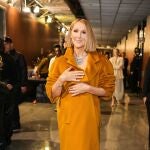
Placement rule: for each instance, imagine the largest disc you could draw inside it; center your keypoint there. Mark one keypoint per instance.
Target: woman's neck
(79, 52)
(80, 56)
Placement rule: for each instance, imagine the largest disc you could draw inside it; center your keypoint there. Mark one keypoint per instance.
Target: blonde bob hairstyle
(90, 44)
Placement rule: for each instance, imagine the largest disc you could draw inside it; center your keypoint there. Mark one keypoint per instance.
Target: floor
(124, 127)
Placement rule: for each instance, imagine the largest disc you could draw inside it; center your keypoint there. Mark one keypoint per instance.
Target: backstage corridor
(124, 127)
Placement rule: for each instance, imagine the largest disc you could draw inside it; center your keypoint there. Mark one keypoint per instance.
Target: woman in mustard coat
(77, 81)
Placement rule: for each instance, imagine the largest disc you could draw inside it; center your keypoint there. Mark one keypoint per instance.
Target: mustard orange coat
(79, 116)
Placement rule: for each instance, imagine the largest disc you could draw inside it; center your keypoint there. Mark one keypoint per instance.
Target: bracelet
(59, 84)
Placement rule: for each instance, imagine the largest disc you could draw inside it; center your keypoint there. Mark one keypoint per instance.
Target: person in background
(135, 71)
(7, 76)
(20, 81)
(57, 53)
(42, 67)
(35, 63)
(117, 63)
(125, 71)
(146, 93)
(107, 55)
(77, 81)
(41, 71)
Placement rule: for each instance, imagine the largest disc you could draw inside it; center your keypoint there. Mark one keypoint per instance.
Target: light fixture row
(35, 7)
(49, 18)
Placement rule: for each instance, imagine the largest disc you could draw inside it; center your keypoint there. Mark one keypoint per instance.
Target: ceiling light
(107, 46)
(49, 19)
(63, 29)
(36, 9)
(26, 10)
(129, 30)
(141, 33)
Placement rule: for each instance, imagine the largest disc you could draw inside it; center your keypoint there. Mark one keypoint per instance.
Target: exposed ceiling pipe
(38, 3)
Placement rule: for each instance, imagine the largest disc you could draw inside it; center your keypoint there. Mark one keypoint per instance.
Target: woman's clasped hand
(71, 75)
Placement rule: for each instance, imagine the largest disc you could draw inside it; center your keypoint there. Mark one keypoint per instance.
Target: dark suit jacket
(125, 66)
(7, 76)
(136, 67)
(20, 67)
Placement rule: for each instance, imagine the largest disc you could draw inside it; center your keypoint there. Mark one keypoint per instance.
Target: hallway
(125, 128)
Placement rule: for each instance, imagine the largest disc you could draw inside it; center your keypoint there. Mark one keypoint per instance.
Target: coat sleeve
(23, 70)
(53, 75)
(106, 78)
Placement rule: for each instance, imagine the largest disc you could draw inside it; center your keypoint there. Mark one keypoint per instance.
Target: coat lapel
(92, 66)
(70, 58)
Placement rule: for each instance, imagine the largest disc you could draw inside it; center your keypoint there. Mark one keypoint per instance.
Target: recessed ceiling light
(36, 9)
(26, 10)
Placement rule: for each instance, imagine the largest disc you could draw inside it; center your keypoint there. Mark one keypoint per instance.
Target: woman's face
(115, 52)
(79, 35)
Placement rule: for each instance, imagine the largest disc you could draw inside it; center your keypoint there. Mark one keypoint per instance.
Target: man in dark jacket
(146, 93)
(7, 76)
(135, 71)
(20, 81)
(125, 71)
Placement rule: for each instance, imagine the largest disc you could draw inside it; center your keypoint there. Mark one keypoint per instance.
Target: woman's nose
(79, 34)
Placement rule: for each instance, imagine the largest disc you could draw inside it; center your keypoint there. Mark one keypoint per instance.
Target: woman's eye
(84, 32)
(75, 30)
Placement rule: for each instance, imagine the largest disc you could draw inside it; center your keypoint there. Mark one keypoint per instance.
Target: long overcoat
(79, 116)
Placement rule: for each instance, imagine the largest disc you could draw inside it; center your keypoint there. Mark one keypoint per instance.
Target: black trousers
(16, 94)
(148, 114)
(133, 82)
(5, 119)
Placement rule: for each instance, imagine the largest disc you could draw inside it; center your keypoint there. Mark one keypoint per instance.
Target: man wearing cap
(20, 80)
